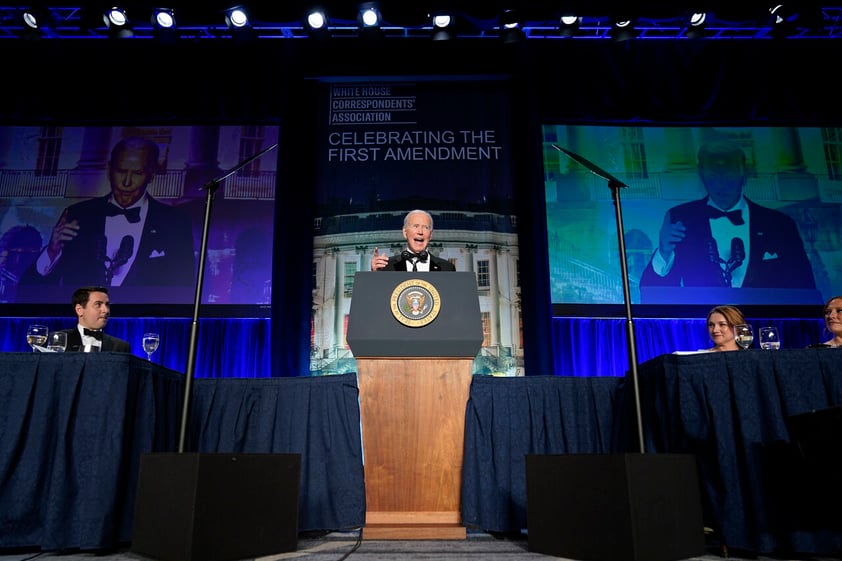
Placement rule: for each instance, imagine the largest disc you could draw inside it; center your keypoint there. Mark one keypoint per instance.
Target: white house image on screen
(483, 243)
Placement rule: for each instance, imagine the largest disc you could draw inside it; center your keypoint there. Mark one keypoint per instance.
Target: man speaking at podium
(417, 231)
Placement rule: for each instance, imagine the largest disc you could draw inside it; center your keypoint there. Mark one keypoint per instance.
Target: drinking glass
(36, 335)
(57, 341)
(150, 344)
(769, 338)
(744, 334)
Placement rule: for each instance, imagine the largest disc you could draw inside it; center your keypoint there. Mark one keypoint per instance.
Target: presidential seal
(415, 303)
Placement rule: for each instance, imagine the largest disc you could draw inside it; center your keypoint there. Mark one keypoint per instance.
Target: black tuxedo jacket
(163, 256)
(109, 343)
(777, 258)
(398, 263)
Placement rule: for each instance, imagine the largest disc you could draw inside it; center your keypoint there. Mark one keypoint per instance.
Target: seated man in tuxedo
(93, 308)
(726, 240)
(417, 231)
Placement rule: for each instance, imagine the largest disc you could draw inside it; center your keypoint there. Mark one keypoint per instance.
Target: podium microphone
(738, 253)
(123, 254)
(101, 254)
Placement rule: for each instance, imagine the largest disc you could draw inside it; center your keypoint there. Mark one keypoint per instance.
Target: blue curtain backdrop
(226, 347)
(243, 347)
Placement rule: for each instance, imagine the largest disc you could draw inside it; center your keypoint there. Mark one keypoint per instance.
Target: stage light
(510, 26)
(316, 23)
(568, 25)
(444, 26)
(236, 17)
(441, 21)
(696, 23)
(622, 29)
(30, 19)
(783, 20)
(779, 14)
(369, 15)
(163, 18)
(117, 22)
(315, 20)
(36, 22)
(115, 17)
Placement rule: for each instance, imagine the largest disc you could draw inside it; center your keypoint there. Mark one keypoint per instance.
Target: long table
(734, 411)
(73, 427)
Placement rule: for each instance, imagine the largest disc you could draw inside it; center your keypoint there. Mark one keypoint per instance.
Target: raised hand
(63, 232)
(380, 260)
(672, 233)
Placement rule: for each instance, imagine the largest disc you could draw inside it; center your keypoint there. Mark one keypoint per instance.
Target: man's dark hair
(83, 294)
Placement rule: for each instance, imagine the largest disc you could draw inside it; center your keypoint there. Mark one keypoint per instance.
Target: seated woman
(720, 322)
(833, 322)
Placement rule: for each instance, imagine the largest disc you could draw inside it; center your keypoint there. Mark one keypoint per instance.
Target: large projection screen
(50, 174)
(785, 253)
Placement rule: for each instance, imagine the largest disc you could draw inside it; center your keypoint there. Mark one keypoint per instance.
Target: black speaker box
(614, 507)
(817, 435)
(216, 507)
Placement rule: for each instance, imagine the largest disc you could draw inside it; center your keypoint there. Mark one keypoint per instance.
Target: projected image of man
(724, 239)
(125, 238)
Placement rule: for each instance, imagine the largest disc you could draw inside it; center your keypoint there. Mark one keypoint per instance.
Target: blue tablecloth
(73, 427)
(732, 411)
(508, 418)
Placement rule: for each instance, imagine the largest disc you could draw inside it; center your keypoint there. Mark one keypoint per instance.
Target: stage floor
(334, 546)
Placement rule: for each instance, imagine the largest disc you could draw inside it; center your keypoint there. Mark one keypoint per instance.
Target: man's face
(95, 314)
(129, 176)
(417, 232)
(723, 176)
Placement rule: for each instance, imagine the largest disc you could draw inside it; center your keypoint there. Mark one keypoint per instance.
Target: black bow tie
(410, 256)
(131, 214)
(95, 334)
(735, 216)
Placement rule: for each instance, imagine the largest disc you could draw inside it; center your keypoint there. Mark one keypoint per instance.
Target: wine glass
(36, 335)
(769, 338)
(150, 344)
(57, 341)
(744, 334)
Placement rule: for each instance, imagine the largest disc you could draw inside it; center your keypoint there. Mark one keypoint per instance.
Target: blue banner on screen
(731, 215)
(386, 147)
(124, 207)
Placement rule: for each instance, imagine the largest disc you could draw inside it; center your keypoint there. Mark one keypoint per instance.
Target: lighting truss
(68, 24)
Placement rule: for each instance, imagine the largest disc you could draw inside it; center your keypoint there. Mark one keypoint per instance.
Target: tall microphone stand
(615, 185)
(210, 187)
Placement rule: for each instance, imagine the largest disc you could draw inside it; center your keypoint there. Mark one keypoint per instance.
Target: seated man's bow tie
(735, 216)
(131, 214)
(409, 256)
(95, 334)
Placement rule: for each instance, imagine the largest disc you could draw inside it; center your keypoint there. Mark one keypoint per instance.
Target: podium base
(414, 532)
(413, 525)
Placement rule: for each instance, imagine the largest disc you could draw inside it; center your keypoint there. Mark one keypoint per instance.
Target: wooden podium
(412, 405)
